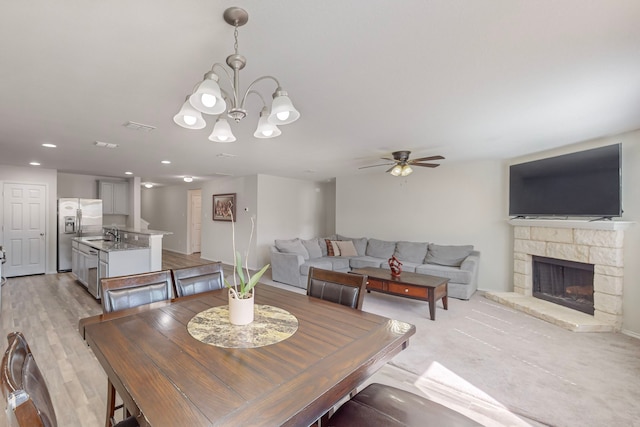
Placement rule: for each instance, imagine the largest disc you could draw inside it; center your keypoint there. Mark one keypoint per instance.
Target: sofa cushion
(292, 246)
(380, 249)
(332, 248)
(323, 246)
(313, 247)
(347, 248)
(447, 255)
(366, 261)
(454, 274)
(322, 263)
(360, 243)
(411, 252)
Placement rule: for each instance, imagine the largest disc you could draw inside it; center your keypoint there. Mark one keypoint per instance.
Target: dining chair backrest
(197, 279)
(25, 392)
(342, 288)
(122, 292)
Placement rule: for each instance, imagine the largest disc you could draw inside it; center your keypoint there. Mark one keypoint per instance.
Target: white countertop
(139, 230)
(100, 243)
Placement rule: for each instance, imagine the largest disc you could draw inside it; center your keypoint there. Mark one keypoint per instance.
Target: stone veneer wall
(602, 248)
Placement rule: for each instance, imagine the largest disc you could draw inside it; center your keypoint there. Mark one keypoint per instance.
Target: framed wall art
(224, 207)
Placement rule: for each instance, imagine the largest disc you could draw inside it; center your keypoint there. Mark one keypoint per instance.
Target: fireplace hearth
(564, 282)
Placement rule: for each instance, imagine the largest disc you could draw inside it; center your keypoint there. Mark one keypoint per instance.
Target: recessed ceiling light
(128, 173)
(34, 164)
(148, 185)
(49, 145)
(188, 179)
(166, 162)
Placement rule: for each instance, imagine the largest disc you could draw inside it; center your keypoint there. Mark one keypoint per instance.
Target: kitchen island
(150, 238)
(97, 257)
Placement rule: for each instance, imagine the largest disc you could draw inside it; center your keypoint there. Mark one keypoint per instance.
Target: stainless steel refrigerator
(76, 218)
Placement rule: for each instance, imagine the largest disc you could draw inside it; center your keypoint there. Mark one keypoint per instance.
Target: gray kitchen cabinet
(115, 197)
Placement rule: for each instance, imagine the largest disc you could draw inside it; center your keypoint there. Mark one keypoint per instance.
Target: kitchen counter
(139, 231)
(100, 243)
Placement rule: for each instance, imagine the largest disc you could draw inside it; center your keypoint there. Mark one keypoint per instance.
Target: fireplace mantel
(571, 223)
(600, 243)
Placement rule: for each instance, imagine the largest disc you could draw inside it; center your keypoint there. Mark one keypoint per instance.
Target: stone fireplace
(598, 244)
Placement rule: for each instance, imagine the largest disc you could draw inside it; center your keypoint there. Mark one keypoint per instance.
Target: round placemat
(270, 325)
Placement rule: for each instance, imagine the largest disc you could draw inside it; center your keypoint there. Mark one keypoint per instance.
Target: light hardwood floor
(46, 308)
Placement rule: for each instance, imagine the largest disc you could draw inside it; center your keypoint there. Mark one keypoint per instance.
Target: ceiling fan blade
(426, 165)
(375, 166)
(390, 169)
(386, 158)
(428, 158)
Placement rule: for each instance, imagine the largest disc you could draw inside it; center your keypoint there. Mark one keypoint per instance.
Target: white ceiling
(467, 79)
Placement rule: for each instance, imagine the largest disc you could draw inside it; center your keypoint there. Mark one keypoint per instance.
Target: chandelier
(209, 98)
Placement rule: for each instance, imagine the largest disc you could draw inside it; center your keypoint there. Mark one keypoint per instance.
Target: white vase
(240, 309)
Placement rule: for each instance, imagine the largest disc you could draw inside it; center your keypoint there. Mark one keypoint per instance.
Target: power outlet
(135, 237)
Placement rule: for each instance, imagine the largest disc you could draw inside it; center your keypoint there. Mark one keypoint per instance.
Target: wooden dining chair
(380, 405)
(201, 278)
(25, 391)
(122, 292)
(342, 288)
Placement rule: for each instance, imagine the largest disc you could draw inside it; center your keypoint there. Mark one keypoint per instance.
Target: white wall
(217, 241)
(631, 205)
(34, 175)
(456, 203)
(165, 208)
(289, 208)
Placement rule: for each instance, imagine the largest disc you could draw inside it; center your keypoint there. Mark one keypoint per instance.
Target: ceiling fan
(402, 164)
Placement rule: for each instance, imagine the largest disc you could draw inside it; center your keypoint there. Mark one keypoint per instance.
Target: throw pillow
(359, 243)
(323, 245)
(380, 248)
(293, 246)
(332, 248)
(347, 248)
(452, 256)
(313, 247)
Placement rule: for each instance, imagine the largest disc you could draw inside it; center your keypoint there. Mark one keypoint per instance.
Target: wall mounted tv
(583, 184)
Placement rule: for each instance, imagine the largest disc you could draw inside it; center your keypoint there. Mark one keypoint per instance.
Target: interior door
(196, 220)
(24, 229)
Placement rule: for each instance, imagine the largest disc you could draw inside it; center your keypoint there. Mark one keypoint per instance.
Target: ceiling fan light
(396, 171)
(222, 132)
(406, 170)
(266, 129)
(207, 97)
(282, 110)
(188, 117)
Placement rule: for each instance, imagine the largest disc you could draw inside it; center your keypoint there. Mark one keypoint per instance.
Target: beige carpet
(505, 368)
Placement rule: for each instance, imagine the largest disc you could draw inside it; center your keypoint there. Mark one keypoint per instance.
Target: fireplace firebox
(563, 282)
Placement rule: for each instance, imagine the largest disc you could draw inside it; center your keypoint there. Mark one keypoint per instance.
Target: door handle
(41, 234)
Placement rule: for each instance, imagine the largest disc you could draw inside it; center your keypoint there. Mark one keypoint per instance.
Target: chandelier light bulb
(222, 132)
(188, 117)
(283, 115)
(266, 129)
(208, 100)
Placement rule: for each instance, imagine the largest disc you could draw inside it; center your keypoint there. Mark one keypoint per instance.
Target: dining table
(172, 363)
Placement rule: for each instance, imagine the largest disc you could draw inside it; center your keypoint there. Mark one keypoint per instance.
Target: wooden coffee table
(408, 285)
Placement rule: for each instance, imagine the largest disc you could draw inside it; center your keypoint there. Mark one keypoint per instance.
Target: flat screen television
(583, 184)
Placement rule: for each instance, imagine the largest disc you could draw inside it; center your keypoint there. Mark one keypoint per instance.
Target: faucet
(114, 232)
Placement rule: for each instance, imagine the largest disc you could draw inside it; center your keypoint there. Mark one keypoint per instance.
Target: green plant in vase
(243, 281)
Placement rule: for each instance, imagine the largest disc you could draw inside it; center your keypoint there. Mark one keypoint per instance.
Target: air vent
(105, 144)
(138, 126)
(226, 155)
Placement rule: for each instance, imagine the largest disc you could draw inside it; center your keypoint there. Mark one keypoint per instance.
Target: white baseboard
(630, 333)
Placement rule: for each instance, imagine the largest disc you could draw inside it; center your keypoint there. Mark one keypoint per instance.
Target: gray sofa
(291, 259)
